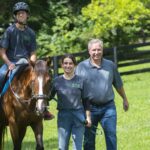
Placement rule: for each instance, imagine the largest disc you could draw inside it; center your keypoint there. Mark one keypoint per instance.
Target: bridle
(37, 96)
(33, 95)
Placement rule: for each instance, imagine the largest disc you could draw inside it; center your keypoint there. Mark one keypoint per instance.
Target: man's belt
(101, 104)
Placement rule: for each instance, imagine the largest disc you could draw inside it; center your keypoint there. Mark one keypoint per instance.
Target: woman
(71, 105)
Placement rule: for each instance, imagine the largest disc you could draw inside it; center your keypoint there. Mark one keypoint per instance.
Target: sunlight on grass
(143, 48)
(134, 67)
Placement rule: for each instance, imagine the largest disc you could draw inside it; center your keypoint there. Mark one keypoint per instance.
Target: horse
(24, 103)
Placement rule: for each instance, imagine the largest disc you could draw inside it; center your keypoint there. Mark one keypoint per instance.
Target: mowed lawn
(133, 127)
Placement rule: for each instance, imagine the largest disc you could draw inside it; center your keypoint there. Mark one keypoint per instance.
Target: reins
(20, 99)
(17, 97)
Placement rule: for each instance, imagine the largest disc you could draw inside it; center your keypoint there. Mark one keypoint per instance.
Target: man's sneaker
(48, 115)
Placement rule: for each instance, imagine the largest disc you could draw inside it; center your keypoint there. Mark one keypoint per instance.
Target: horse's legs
(2, 133)
(22, 131)
(38, 132)
(16, 134)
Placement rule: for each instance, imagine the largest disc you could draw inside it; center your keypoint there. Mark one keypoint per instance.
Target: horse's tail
(2, 133)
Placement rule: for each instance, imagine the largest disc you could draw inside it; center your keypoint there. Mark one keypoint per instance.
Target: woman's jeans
(70, 122)
(106, 116)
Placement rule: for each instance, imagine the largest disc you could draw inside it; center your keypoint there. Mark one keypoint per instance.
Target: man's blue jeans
(3, 72)
(4, 69)
(106, 116)
(70, 122)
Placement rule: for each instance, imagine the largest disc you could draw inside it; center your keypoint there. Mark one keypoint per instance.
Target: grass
(133, 127)
(143, 48)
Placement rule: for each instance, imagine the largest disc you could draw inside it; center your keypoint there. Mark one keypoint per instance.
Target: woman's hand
(88, 119)
(88, 122)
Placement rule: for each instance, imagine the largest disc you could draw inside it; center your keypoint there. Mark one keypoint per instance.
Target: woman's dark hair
(69, 56)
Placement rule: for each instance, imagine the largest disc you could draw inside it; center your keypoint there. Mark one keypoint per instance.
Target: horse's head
(40, 85)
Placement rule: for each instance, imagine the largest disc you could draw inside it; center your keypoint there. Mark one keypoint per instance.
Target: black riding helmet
(20, 6)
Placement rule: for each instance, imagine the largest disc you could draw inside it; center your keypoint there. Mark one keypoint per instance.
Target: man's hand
(11, 66)
(125, 105)
(4, 57)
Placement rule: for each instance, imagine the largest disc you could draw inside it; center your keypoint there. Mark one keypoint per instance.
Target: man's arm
(4, 57)
(121, 92)
(86, 105)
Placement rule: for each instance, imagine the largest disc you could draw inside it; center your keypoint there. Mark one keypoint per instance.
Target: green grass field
(133, 127)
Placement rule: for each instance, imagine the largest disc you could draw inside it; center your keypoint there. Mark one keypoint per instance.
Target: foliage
(64, 34)
(117, 22)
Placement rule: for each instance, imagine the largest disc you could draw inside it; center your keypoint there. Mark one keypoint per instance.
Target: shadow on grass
(49, 144)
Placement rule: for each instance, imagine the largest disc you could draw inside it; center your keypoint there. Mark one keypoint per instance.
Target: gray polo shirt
(100, 80)
(70, 93)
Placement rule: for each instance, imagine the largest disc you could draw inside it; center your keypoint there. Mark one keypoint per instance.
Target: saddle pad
(7, 83)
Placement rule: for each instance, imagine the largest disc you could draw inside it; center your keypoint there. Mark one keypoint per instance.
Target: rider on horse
(18, 45)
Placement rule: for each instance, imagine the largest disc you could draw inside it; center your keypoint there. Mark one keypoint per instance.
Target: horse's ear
(48, 61)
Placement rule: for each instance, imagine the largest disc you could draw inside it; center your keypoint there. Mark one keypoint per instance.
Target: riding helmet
(20, 6)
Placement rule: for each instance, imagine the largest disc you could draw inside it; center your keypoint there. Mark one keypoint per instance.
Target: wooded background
(67, 25)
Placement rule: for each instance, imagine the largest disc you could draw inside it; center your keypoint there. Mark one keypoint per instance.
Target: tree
(63, 35)
(65, 26)
(117, 21)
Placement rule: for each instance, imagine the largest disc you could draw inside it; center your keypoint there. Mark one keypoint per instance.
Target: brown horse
(24, 103)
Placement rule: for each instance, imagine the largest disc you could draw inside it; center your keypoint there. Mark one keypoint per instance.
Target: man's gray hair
(93, 41)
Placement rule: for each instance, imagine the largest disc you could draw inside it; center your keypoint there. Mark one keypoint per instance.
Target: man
(18, 43)
(101, 74)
